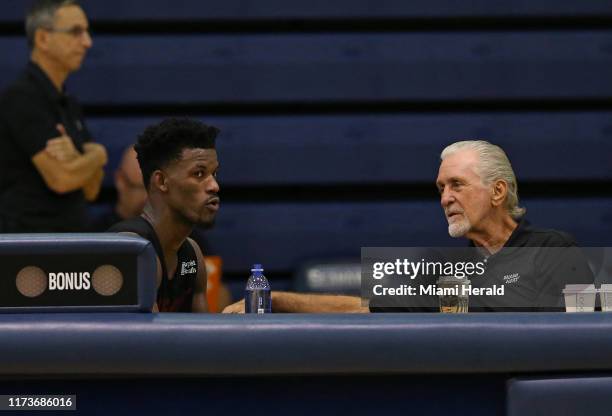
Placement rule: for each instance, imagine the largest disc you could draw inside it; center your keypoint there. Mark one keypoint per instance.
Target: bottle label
(257, 301)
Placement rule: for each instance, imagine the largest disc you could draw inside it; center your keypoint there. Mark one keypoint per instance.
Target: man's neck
(56, 74)
(494, 233)
(125, 213)
(170, 231)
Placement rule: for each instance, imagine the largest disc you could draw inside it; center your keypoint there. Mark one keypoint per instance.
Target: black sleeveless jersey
(176, 294)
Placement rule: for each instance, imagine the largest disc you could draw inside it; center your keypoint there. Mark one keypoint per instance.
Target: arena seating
(259, 68)
(266, 150)
(249, 10)
(333, 113)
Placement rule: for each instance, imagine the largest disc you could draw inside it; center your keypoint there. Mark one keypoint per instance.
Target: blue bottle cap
(257, 268)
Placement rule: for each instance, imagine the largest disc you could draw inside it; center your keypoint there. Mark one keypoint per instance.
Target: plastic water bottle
(257, 295)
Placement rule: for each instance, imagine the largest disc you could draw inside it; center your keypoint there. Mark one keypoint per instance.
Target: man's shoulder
(190, 248)
(19, 95)
(547, 237)
(132, 225)
(20, 86)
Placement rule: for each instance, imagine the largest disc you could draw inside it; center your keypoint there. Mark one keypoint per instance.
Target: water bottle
(257, 295)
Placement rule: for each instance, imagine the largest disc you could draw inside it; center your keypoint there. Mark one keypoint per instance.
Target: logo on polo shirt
(511, 278)
(188, 267)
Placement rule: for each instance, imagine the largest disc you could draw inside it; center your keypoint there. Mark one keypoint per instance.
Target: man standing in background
(49, 167)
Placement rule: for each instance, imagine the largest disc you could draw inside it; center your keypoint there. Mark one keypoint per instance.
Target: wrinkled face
(192, 188)
(67, 42)
(465, 199)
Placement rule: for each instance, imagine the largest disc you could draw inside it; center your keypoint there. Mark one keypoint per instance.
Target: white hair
(493, 165)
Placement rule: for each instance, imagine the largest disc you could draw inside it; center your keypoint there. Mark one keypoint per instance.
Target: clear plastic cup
(454, 301)
(579, 298)
(605, 295)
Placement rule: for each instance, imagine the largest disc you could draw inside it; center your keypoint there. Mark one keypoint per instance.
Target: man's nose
(213, 186)
(446, 197)
(87, 40)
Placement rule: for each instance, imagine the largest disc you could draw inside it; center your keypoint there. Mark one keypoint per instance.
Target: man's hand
(62, 147)
(64, 169)
(97, 148)
(237, 307)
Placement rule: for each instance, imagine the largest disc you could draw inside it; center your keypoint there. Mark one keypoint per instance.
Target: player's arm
(314, 303)
(64, 169)
(199, 303)
(308, 303)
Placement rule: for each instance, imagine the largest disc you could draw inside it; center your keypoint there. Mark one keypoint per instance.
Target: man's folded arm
(82, 171)
(92, 188)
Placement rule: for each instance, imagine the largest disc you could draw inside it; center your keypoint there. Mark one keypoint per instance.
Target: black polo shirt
(533, 267)
(30, 109)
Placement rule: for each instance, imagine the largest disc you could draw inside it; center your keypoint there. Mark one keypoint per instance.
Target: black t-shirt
(176, 294)
(30, 109)
(533, 267)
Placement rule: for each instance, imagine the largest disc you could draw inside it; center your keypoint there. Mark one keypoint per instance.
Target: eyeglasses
(76, 31)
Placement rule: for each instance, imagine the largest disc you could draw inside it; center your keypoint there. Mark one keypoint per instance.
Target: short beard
(459, 228)
(207, 225)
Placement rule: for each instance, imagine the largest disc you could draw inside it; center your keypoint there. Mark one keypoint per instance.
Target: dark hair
(163, 143)
(42, 14)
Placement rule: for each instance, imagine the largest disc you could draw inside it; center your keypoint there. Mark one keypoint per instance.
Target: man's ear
(159, 181)
(41, 39)
(499, 192)
(119, 182)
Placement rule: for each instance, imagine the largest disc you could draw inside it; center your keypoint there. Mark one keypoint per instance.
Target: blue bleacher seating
(541, 92)
(118, 10)
(282, 235)
(253, 68)
(387, 148)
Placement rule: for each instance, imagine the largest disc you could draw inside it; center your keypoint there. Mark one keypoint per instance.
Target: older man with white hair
(479, 195)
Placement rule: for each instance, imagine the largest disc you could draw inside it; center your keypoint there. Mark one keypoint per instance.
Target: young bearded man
(179, 167)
